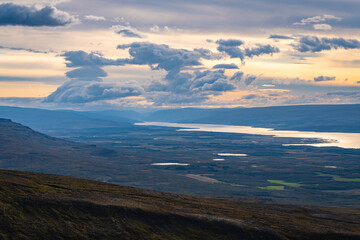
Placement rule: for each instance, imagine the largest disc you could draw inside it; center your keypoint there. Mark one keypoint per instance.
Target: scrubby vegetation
(40, 206)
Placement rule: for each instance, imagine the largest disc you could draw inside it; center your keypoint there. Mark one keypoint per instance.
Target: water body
(170, 164)
(218, 159)
(328, 139)
(232, 154)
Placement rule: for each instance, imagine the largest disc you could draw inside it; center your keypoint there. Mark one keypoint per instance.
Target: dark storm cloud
(280, 37)
(315, 44)
(235, 50)
(226, 66)
(324, 78)
(12, 14)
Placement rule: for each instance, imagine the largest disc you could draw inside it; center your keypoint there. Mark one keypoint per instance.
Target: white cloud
(324, 27)
(39, 3)
(94, 18)
(155, 29)
(165, 29)
(318, 19)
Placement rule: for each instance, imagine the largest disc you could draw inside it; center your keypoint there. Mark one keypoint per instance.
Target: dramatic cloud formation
(183, 82)
(315, 44)
(161, 56)
(75, 91)
(226, 66)
(12, 14)
(241, 31)
(86, 84)
(318, 19)
(127, 31)
(181, 87)
(324, 78)
(232, 48)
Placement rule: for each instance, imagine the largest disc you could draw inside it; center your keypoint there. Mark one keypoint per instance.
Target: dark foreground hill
(40, 206)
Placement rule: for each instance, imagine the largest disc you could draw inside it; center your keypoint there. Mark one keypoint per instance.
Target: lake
(328, 139)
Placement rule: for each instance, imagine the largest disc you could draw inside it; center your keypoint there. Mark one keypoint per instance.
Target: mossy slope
(41, 206)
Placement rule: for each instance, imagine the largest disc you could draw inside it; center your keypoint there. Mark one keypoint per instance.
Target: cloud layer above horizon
(174, 54)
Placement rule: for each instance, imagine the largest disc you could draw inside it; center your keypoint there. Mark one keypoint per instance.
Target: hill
(21, 148)
(40, 206)
(49, 121)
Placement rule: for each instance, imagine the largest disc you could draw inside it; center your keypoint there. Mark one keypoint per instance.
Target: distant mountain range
(324, 118)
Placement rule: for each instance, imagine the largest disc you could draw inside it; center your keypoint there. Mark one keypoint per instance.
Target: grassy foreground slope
(41, 206)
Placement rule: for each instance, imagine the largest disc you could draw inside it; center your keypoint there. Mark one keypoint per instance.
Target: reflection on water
(329, 139)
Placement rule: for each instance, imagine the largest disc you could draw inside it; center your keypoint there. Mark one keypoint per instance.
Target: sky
(109, 54)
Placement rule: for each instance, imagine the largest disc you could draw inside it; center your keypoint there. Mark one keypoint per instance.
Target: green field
(272, 188)
(338, 178)
(289, 184)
